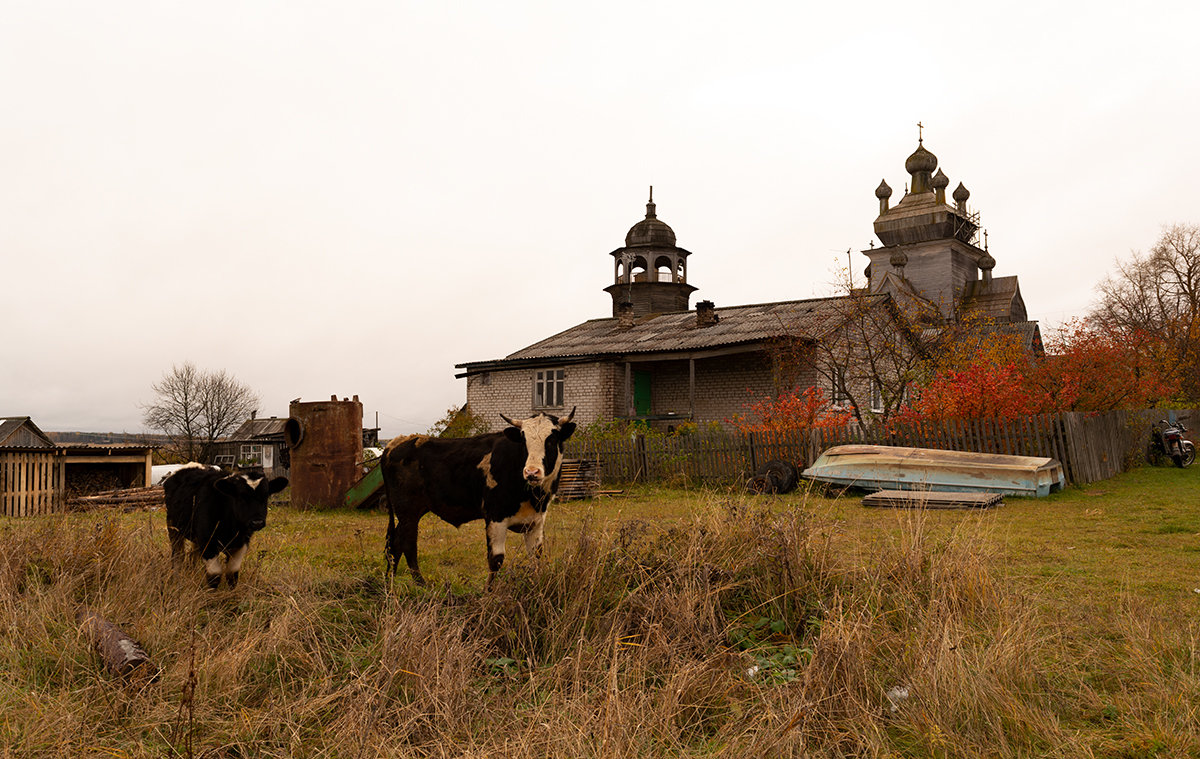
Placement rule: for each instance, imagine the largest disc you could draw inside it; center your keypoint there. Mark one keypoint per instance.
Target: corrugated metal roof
(253, 428)
(679, 331)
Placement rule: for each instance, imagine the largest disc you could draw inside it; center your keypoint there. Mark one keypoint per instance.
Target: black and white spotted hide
(217, 512)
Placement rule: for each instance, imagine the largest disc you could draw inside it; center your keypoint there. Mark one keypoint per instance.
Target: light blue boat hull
(885, 467)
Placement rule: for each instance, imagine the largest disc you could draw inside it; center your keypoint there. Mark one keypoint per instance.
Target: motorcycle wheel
(1189, 454)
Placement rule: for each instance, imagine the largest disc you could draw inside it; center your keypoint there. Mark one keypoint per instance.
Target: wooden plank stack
(928, 499)
(578, 478)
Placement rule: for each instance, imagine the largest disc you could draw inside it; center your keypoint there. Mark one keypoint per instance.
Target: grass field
(659, 623)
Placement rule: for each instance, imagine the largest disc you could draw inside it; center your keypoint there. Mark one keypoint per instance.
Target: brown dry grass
(718, 625)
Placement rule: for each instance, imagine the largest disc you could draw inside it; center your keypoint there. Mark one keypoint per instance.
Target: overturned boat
(886, 467)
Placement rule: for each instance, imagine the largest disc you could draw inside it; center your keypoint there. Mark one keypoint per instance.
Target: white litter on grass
(752, 671)
(897, 696)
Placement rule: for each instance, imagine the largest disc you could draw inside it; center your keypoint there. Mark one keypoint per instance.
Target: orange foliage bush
(791, 412)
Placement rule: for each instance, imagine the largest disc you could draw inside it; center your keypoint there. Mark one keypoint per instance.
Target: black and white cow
(505, 478)
(218, 512)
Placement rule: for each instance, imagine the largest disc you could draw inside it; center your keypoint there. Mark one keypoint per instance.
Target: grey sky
(350, 198)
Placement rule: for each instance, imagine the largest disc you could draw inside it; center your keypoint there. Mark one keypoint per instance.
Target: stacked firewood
(128, 499)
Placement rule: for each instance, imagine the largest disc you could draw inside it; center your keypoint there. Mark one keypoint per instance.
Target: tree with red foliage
(791, 412)
(1092, 367)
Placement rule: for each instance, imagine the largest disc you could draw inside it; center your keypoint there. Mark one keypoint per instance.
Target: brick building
(656, 359)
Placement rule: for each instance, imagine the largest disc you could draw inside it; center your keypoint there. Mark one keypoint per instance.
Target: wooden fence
(31, 482)
(1091, 447)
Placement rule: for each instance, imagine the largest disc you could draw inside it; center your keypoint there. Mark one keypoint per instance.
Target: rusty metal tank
(325, 442)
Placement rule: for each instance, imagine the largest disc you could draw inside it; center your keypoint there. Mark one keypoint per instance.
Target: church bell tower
(650, 271)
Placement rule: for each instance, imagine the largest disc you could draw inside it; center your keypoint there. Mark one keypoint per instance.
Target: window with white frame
(548, 388)
(250, 454)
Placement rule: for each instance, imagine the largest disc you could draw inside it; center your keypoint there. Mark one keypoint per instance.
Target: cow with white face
(217, 512)
(505, 478)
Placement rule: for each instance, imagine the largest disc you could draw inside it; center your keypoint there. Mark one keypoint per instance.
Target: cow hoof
(213, 581)
(232, 580)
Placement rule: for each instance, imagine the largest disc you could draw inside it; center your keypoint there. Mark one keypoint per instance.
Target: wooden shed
(32, 469)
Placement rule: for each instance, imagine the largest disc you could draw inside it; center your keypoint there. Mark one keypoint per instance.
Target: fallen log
(122, 655)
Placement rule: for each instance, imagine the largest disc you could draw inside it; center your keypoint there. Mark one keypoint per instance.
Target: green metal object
(370, 486)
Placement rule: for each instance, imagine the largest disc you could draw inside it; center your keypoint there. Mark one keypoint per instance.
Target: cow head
(543, 436)
(247, 493)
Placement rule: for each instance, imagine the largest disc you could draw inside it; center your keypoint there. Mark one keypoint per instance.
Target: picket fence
(31, 482)
(1090, 446)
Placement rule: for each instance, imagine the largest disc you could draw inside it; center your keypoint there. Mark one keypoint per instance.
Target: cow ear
(277, 484)
(566, 430)
(514, 434)
(227, 485)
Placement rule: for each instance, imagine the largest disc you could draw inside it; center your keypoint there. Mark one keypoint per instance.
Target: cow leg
(234, 565)
(533, 536)
(496, 534)
(212, 569)
(176, 539)
(403, 540)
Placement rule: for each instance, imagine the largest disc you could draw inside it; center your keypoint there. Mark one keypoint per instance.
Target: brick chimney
(624, 315)
(706, 314)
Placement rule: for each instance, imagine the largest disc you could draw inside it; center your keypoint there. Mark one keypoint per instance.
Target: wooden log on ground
(122, 655)
(151, 496)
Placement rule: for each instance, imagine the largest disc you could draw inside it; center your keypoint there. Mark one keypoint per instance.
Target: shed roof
(679, 331)
(21, 432)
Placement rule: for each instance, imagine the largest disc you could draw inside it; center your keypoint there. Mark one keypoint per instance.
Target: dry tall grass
(743, 632)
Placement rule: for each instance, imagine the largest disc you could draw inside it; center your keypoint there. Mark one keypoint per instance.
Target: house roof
(679, 331)
(259, 428)
(1028, 332)
(21, 432)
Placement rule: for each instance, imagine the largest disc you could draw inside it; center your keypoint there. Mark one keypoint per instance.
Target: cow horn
(510, 421)
(570, 416)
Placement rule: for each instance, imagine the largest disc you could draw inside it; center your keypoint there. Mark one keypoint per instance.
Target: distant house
(257, 442)
(656, 361)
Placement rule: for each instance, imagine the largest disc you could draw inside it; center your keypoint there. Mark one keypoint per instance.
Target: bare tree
(195, 408)
(1153, 301)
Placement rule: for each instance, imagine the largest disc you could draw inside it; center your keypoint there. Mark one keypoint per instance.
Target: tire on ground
(783, 473)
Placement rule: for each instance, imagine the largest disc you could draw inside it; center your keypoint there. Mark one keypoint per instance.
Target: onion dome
(920, 160)
(961, 193)
(939, 181)
(899, 259)
(883, 190)
(987, 263)
(650, 231)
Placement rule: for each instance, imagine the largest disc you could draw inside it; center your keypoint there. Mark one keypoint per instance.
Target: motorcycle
(1167, 439)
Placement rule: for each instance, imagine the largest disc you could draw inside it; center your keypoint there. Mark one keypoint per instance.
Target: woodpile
(128, 499)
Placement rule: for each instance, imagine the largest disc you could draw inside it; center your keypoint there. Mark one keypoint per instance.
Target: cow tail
(391, 530)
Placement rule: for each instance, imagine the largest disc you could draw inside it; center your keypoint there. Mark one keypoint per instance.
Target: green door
(641, 393)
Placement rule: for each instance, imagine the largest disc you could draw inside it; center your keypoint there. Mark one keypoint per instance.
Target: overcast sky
(350, 198)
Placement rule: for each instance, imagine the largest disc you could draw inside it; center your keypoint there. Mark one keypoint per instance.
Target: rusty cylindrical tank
(325, 438)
